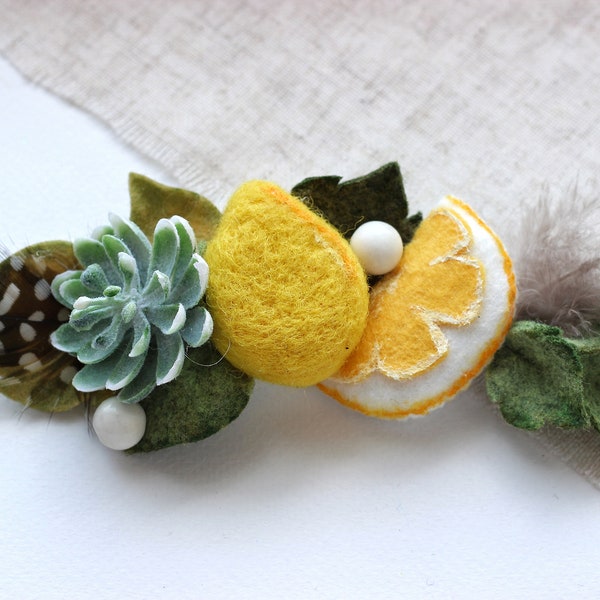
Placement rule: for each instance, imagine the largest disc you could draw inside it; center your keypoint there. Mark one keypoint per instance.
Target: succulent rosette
(134, 306)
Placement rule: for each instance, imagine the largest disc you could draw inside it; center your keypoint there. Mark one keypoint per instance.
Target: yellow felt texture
(288, 296)
(436, 283)
(435, 322)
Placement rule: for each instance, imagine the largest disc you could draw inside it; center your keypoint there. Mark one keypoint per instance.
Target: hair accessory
(159, 324)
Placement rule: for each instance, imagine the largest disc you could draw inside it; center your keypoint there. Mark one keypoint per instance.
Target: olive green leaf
(537, 378)
(152, 201)
(208, 394)
(377, 196)
(589, 354)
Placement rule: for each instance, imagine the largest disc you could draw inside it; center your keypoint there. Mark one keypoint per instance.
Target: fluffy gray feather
(557, 261)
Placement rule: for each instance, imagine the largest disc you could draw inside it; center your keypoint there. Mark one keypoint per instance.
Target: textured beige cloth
(483, 99)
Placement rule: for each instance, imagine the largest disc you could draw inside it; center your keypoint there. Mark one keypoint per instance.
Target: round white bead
(119, 426)
(378, 247)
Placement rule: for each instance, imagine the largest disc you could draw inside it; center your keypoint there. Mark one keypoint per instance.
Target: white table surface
(299, 498)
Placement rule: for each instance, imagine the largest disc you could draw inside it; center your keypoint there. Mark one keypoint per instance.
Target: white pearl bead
(119, 426)
(378, 247)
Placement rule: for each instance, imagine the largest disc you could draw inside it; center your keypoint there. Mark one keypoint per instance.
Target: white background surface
(299, 498)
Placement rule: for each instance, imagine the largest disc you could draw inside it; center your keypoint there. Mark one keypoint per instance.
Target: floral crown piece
(161, 323)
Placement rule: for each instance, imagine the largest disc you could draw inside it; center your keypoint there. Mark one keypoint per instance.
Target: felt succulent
(135, 306)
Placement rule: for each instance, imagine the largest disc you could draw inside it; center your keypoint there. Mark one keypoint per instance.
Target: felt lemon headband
(160, 323)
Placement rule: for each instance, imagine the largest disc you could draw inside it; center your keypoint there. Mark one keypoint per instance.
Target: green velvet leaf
(536, 378)
(208, 394)
(589, 354)
(377, 196)
(152, 201)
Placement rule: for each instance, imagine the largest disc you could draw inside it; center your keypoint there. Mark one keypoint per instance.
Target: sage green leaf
(93, 377)
(157, 290)
(94, 278)
(169, 318)
(536, 378)
(171, 353)
(151, 201)
(193, 284)
(377, 196)
(198, 327)
(114, 247)
(143, 384)
(126, 368)
(130, 274)
(85, 319)
(137, 243)
(208, 394)
(105, 343)
(187, 246)
(142, 334)
(165, 247)
(90, 251)
(70, 290)
(68, 339)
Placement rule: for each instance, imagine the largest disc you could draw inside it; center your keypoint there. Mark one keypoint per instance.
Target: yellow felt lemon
(288, 296)
(434, 322)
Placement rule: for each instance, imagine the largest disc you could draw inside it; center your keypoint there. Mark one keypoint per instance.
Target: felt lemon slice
(434, 322)
(288, 296)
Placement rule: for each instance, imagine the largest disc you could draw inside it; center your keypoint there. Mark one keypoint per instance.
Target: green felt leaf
(208, 394)
(589, 354)
(536, 378)
(377, 196)
(151, 201)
